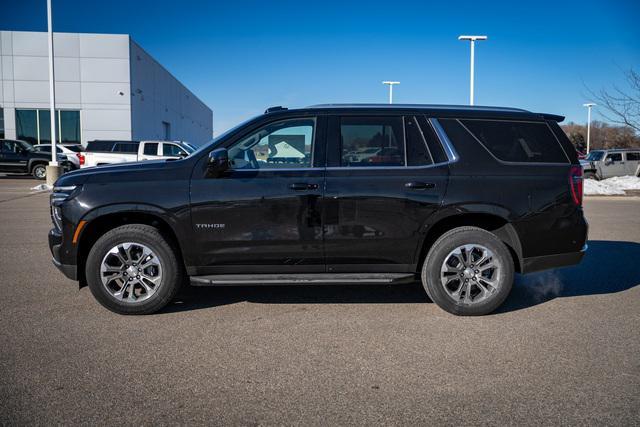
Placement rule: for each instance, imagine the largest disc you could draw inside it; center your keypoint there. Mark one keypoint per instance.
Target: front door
(386, 176)
(613, 165)
(263, 215)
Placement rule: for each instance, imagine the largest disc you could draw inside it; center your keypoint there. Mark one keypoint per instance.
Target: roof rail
(274, 109)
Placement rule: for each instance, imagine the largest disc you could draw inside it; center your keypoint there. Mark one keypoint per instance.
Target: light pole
(472, 39)
(589, 105)
(390, 83)
(53, 170)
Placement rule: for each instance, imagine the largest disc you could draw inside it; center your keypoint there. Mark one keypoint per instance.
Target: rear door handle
(302, 186)
(417, 185)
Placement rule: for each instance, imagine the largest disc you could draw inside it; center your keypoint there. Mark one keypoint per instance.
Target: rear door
(385, 177)
(150, 151)
(632, 162)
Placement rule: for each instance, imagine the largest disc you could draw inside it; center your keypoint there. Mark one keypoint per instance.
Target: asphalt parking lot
(564, 349)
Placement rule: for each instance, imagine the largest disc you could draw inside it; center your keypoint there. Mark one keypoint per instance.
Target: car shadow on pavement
(606, 268)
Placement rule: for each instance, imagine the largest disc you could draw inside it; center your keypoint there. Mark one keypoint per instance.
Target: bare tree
(623, 107)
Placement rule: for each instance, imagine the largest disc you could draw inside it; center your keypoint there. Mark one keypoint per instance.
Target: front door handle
(417, 185)
(302, 186)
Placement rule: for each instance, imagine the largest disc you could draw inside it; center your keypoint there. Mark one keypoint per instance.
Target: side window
(372, 141)
(614, 157)
(5, 147)
(418, 153)
(172, 150)
(151, 149)
(514, 141)
(45, 149)
(123, 147)
(279, 145)
(633, 157)
(9, 147)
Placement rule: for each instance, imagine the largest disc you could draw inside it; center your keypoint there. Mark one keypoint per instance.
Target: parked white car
(73, 152)
(110, 152)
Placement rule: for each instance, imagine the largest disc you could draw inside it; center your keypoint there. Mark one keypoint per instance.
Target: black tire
(437, 255)
(172, 270)
(39, 171)
(590, 175)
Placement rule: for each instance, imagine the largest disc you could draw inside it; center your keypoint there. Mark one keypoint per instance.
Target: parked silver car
(601, 164)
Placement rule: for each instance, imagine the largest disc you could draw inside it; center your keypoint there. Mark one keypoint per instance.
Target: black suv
(18, 156)
(462, 197)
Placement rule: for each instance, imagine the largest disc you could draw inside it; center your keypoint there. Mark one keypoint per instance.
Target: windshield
(25, 145)
(215, 141)
(595, 156)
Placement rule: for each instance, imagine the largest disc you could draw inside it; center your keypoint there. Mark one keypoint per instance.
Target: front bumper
(547, 262)
(55, 244)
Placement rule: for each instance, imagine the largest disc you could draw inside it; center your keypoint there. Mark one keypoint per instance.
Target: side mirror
(608, 161)
(218, 161)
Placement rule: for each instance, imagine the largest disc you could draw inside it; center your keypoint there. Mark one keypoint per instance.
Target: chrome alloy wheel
(469, 274)
(131, 272)
(40, 172)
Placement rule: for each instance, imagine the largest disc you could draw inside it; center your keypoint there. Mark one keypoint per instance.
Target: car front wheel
(468, 272)
(39, 171)
(132, 269)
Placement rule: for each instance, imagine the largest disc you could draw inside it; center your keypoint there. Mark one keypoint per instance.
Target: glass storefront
(34, 126)
(1, 123)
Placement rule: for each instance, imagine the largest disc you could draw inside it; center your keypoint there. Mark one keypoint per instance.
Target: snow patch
(611, 186)
(41, 187)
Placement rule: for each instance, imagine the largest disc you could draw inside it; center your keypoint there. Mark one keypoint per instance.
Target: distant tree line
(619, 106)
(603, 135)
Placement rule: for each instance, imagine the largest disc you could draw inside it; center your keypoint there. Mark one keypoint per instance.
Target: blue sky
(240, 57)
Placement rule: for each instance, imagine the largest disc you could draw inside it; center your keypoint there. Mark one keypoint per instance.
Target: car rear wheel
(132, 269)
(468, 272)
(39, 171)
(590, 175)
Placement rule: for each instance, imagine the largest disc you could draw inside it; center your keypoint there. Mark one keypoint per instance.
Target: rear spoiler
(554, 117)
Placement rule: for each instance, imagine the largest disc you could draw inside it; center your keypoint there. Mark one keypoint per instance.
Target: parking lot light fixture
(52, 99)
(473, 40)
(589, 105)
(390, 84)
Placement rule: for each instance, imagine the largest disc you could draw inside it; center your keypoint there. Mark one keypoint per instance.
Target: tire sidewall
(35, 173)
(170, 269)
(436, 257)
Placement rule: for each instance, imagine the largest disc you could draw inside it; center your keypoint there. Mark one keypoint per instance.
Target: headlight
(62, 193)
(59, 195)
(56, 215)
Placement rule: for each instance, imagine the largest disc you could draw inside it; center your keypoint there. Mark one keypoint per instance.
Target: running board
(303, 279)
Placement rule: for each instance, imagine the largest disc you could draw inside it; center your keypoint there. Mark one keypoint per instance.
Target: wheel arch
(98, 223)
(33, 162)
(496, 224)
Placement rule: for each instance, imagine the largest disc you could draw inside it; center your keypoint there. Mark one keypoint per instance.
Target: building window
(1, 123)
(34, 126)
(27, 125)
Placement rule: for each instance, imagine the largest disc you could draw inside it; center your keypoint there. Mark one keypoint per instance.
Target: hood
(80, 176)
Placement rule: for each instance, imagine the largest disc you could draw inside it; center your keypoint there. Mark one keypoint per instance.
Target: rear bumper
(547, 262)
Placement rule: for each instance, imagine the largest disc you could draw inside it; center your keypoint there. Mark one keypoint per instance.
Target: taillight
(576, 184)
(80, 158)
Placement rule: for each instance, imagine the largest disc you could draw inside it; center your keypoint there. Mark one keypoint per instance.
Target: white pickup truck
(102, 152)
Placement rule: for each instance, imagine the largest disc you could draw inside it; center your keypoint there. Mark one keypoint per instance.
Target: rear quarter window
(515, 141)
(100, 146)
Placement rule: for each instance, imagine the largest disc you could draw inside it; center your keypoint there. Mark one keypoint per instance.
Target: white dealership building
(107, 87)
